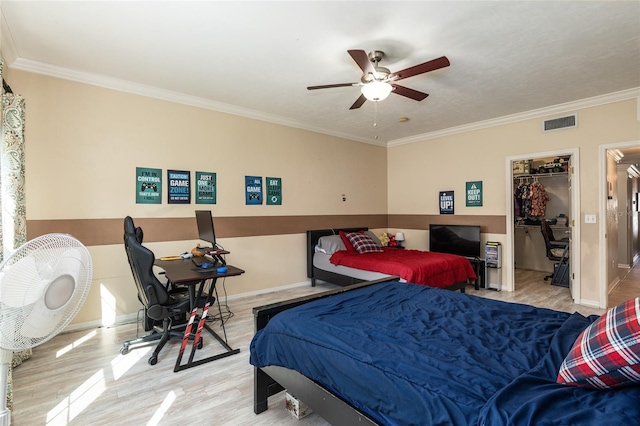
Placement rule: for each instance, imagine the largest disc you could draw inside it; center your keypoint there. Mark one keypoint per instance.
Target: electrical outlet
(589, 218)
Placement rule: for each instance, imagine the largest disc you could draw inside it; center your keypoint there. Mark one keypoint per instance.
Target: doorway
(618, 206)
(569, 209)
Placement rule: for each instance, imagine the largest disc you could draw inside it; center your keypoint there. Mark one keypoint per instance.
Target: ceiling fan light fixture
(376, 90)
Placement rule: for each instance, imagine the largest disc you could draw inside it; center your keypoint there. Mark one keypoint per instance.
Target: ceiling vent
(568, 122)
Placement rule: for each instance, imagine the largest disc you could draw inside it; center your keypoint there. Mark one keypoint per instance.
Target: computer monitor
(206, 232)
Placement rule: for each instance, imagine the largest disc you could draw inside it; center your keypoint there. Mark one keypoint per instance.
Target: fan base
(5, 417)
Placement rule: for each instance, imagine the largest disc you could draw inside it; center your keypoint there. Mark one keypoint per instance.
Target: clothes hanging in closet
(530, 200)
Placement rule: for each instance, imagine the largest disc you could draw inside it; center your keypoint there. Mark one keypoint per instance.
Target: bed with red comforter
(344, 266)
(433, 269)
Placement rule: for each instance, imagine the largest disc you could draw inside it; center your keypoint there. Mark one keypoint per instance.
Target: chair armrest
(558, 243)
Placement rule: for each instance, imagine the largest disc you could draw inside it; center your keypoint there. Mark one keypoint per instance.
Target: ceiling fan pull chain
(375, 117)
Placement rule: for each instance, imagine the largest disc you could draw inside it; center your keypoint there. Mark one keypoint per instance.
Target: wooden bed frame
(271, 380)
(344, 280)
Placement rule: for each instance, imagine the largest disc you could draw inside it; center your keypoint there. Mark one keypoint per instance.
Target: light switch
(589, 218)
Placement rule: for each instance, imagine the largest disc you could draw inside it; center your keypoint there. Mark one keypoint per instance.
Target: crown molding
(22, 64)
(536, 113)
(7, 48)
(167, 95)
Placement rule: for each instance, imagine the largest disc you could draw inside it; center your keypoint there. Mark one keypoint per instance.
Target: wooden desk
(185, 272)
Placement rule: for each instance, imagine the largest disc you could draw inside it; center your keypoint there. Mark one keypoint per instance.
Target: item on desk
(171, 258)
(202, 262)
(222, 269)
(198, 251)
(186, 255)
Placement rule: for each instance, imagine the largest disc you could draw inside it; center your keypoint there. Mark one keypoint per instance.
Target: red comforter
(415, 266)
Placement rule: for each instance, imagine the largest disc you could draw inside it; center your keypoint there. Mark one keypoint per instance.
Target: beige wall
(84, 142)
(418, 171)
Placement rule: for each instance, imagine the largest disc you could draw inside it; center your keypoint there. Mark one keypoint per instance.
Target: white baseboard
(590, 303)
(129, 318)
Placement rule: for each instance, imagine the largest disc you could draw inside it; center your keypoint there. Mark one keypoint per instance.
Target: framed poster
(474, 194)
(253, 189)
(446, 202)
(148, 185)
(179, 186)
(274, 191)
(205, 188)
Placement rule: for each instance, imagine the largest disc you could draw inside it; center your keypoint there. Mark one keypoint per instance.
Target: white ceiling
(257, 58)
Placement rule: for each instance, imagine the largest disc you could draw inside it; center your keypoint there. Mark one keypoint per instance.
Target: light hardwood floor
(627, 288)
(80, 378)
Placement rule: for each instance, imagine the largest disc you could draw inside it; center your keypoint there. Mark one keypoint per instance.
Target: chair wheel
(124, 349)
(153, 360)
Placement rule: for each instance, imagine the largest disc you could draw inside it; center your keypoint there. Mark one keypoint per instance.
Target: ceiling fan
(378, 82)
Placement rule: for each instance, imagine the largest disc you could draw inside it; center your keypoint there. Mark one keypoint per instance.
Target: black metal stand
(197, 339)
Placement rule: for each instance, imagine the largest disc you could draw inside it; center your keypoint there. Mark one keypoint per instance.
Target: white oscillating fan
(42, 286)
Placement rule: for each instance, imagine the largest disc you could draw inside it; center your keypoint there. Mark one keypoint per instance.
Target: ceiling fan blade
(432, 65)
(409, 93)
(362, 59)
(329, 86)
(359, 102)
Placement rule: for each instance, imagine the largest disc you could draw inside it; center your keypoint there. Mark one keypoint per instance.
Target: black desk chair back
(558, 252)
(161, 306)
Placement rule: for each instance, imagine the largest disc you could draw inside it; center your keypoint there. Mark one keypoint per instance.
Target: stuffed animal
(198, 251)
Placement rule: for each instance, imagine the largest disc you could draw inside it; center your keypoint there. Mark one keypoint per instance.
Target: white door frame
(602, 213)
(574, 217)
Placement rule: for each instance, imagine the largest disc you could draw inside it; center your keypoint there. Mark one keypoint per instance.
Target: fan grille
(43, 284)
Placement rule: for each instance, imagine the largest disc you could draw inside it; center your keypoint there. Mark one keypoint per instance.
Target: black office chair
(558, 252)
(166, 309)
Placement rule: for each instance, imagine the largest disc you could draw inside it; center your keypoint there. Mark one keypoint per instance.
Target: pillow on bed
(607, 353)
(330, 244)
(374, 237)
(347, 243)
(363, 243)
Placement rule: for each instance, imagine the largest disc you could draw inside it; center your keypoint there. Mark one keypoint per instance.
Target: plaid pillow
(607, 353)
(363, 243)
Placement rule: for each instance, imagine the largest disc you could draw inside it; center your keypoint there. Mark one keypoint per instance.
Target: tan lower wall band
(97, 232)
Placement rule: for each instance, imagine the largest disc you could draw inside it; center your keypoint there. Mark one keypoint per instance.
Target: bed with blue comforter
(406, 354)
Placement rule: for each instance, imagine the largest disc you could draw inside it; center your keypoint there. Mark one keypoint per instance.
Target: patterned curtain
(13, 219)
(13, 230)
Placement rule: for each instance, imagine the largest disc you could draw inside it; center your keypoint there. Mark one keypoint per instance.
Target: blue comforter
(406, 354)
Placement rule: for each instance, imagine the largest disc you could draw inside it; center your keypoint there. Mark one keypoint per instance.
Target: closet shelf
(538, 175)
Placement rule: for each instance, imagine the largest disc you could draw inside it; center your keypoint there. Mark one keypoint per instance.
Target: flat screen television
(204, 219)
(463, 240)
